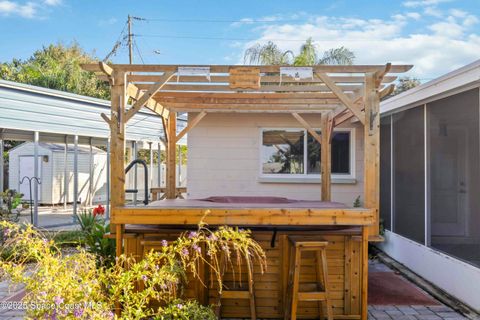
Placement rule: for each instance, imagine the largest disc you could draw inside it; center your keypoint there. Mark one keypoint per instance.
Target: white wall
(224, 153)
(459, 279)
(99, 176)
(52, 172)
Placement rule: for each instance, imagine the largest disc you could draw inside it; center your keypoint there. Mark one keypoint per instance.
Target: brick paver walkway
(439, 312)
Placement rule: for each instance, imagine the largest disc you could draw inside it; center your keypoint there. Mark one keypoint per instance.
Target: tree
(406, 83)
(57, 67)
(270, 53)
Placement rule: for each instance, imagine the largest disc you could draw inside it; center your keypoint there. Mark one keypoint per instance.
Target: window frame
(305, 175)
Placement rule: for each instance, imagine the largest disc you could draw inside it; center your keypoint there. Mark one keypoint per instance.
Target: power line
(249, 39)
(245, 21)
(138, 51)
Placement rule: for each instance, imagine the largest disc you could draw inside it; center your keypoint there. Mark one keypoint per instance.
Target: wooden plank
(305, 124)
(270, 69)
(191, 125)
(341, 95)
(266, 107)
(364, 273)
(246, 95)
(348, 275)
(145, 97)
(171, 183)
(117, 142)
(135, 93)
(259, 101)
(254, 110)
(326, 156)
(244, 216)
(244, 77)
(372, 151)
(347, 114)
(265, 88)
(264, 79)
(387, 91)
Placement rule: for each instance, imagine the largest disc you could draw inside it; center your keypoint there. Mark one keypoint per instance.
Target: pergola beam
(262, 101)
(286, 96)
(191, 125)
(278, 111)
(264, 79)
(270, 68)
(305, 124)
(249, 106)
(341, 95)
(264, 88)
(134, 93)
(141, 101)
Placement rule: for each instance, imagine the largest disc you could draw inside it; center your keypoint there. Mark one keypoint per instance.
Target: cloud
(446, 44)
(27, 10)
(423, 3)
(30, 9)
(53, 2)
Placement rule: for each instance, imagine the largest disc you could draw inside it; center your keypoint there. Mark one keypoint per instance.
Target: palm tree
(270, 53)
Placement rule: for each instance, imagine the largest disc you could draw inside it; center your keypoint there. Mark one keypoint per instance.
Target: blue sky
(436, 36)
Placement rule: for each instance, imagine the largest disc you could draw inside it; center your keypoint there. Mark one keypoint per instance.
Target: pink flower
(58, 300)
(164, 243)
(197, 248)
(78, 313)
(185, 252)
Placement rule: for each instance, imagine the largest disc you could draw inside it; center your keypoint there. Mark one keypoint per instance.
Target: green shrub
(10, 200)
(94, 228)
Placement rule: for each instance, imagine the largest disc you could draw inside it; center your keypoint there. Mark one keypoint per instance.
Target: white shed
(52, 172)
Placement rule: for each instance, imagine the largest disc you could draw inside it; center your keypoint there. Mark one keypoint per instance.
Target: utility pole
(130, 40)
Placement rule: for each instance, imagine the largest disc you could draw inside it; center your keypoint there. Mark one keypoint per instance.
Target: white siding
(224, 152)
(14, 178)
(53, 172)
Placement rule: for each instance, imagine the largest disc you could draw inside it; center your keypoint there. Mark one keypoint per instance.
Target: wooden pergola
(337, 93)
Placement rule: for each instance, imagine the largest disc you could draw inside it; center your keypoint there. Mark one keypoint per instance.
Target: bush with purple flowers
(76, 280)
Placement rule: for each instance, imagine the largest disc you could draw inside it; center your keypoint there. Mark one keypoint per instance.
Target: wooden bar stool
(238, 294)
(299, 244)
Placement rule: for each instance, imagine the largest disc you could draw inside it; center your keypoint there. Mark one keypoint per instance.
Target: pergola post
(36, 138)
(117, 146)
(371, 150)
(326, 124)
(171, 156)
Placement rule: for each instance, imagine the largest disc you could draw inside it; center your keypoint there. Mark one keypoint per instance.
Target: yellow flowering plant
(73, 286)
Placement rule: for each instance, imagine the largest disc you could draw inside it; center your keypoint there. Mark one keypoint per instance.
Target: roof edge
(453, 80)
